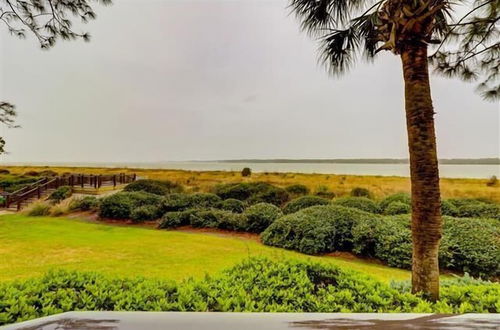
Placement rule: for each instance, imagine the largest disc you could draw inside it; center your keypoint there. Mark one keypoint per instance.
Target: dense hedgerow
(158, 187)
(120, 205)
(396, 208)
(87, 203)
(360, 203)
(218, 219)
(304, 202)
(468, 245)
(254, 285)
(361, 192)
(260, 216)
(61, 193)
(399, 197)
(174, 219)
(448, 208)
(233, 205)
(144, 213)
(175, 202)
(253, 192)
(316, 229)
(204, 200)
(297, 189)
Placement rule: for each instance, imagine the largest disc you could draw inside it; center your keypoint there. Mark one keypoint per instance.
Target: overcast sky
(183, 80)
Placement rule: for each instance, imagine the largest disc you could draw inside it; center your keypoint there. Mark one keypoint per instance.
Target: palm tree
(465, 45)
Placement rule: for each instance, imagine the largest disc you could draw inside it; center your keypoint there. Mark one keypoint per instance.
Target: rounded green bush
(157, 187)
(297, 189)
(317, 229)
(260, 216)
(87, 203)
(304, 202)
(176, 219)
(253, 192)
(119, 205)
(144, 213)
(479, 210)
(395, 208)
(204, 200)
(361, 192)
(175, 202)
(233, 205)
(360, 203)
(448, 208)
(399, 197)
(218, 219)
(61, 193)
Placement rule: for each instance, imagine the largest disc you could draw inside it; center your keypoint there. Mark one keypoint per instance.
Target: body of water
(446, 171)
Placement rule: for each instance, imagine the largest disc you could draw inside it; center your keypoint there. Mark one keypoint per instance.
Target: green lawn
(30, 246)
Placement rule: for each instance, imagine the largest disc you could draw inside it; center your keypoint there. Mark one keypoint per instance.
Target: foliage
(218, 219)
(61, 193)
(304, 202)
(260, 216)
(204, 200)
(395, 208)
(448, 208)
(120, 205)
(87, 203)
(158, 187)
(493, 181)
(246, 172)
(399, 197)
(253, 192)
(317, 229)
(233, 205)
(11, 183)
(297, 189)
(174, 219)
(361, 192)
(175, 202)
(254, 285)
(38, 209)
(144, 213)
(324, 191)
(360, 203)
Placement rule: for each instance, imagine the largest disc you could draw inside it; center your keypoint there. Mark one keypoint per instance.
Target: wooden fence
(38, 188)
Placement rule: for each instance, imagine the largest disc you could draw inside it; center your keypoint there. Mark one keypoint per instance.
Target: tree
(466, 46)
(48, 21)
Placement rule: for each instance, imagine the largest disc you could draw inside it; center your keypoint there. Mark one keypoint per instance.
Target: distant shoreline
(449, 161)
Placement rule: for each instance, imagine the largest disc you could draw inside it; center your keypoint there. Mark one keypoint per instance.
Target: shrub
(448, 208)
(120, 205)
(399, 197)
(360, 203)
(493, 181)
(32, 173)
(144, 213)
(304, 202)
(48, 173)
(87, 203)
(297, 189)
(479, 210)
(4, 171)
(233, 205)
(324, 191)
(246, 172)
(253, 285)
(218, 219)
(61, 193)
(176, 219)
(260, 216)
(204, 200)
(253, 192)
(361, 192)
(175, 202)
(317, 229)
(471, 245)
(38, 209)
(58, 210)
(395, 208)
(157, 187)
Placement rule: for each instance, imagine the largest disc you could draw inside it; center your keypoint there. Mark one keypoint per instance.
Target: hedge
(253, 192)
(361, 192)
(233, 205)
(260, 216)
(396, 207)
(60, 194)
(399, 197)
(254, 285)
(158, 187)
(297, 189)
(468, 245)
(120, 205)
(145, 213)
(360, 203)
(304, 202)
(204, 218)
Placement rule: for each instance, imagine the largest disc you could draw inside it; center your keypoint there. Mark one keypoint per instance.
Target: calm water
(446, 171)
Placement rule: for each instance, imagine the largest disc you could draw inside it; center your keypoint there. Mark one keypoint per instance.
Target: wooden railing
(74, 180)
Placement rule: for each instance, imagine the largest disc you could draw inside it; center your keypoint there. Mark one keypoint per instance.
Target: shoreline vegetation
(448, 161)
(202, 181)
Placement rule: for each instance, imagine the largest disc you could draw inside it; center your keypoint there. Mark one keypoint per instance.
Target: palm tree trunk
(426, 204)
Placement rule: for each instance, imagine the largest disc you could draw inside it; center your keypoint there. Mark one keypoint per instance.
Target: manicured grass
(30, 246)
(380, 186)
